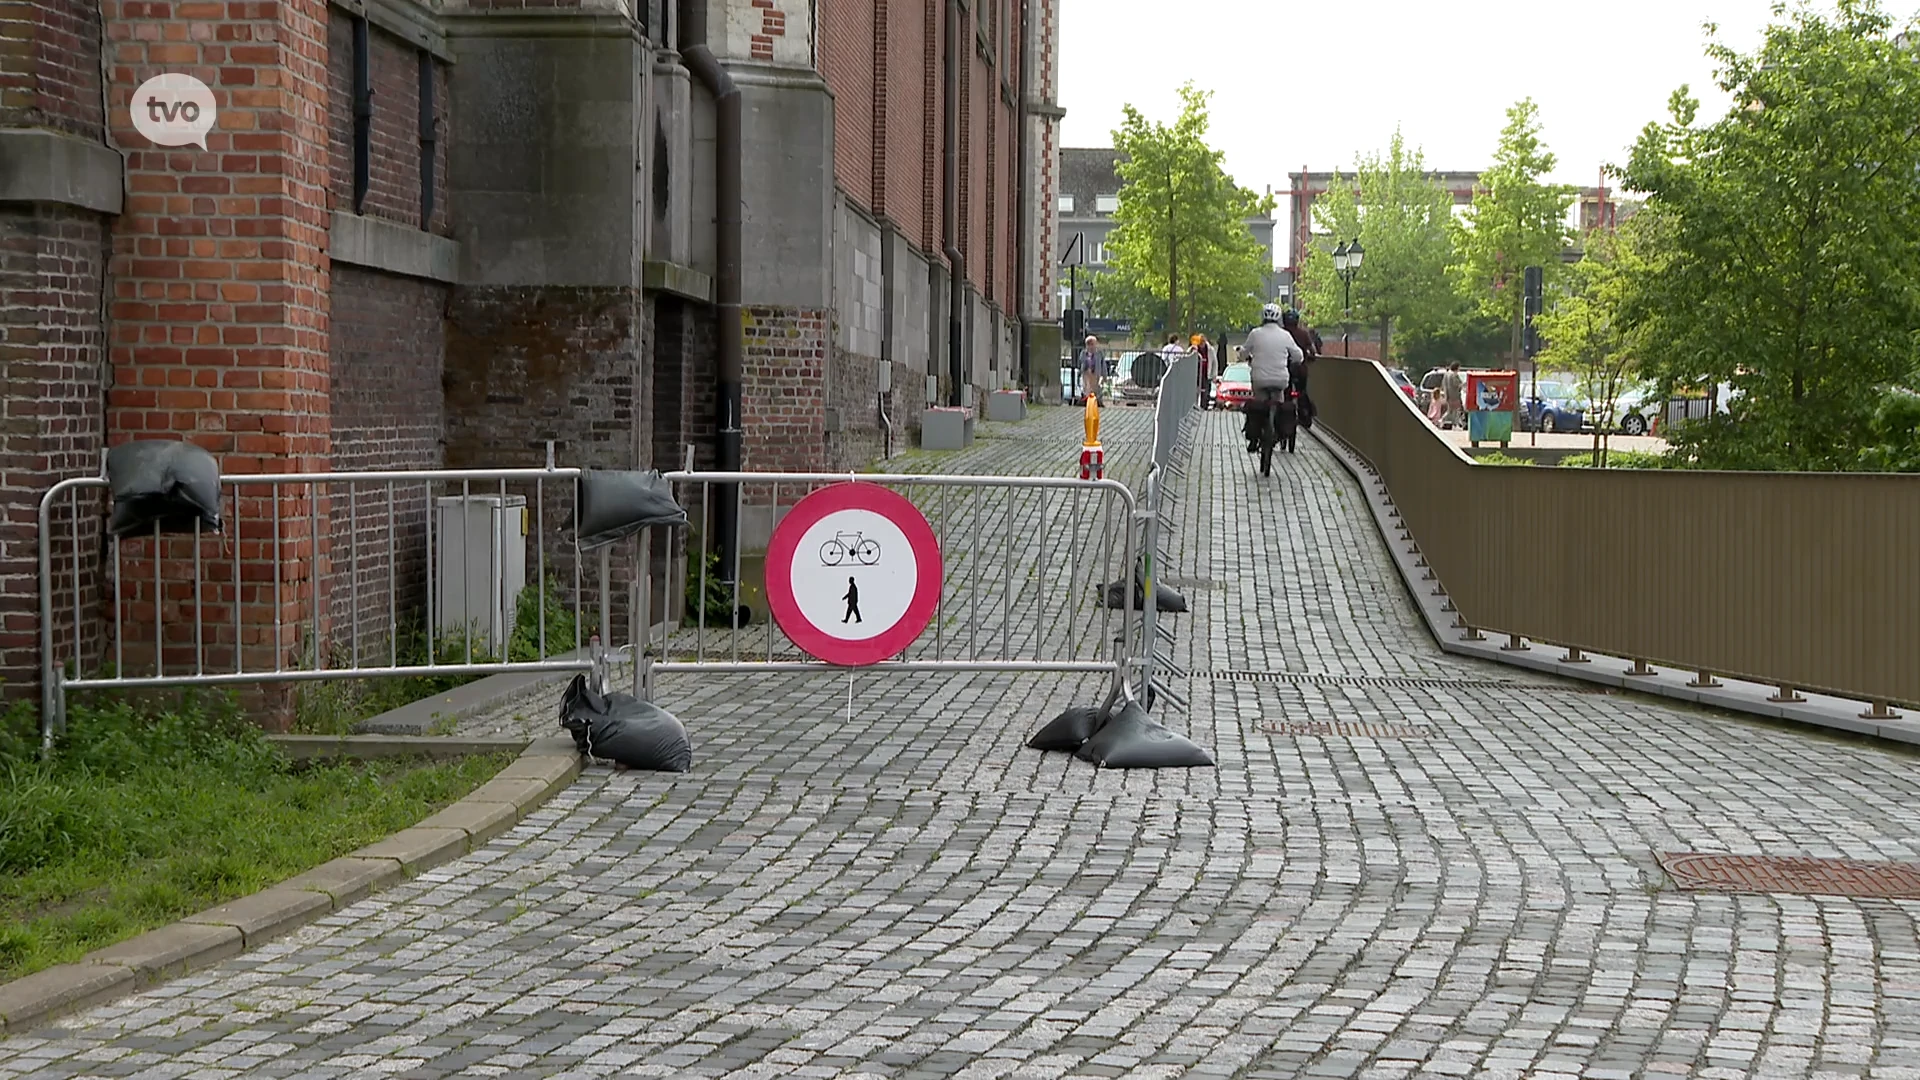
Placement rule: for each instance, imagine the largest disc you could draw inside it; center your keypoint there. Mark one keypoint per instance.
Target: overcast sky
(1442, 72)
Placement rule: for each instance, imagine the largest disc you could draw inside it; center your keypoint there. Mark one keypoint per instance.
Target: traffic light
(1534, 295)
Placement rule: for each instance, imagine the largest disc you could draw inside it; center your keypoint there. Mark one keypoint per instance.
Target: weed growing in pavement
(152, 808)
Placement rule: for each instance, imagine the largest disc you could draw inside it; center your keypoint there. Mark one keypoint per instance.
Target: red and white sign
(853, 574)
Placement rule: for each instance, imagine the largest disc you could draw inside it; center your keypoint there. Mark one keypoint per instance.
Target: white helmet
(1271, 313)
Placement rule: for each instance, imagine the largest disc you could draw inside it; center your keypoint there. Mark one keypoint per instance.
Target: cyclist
(1272, 354)
(1311, 352)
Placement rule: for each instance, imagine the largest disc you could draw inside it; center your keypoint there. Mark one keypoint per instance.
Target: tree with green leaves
(1403, 219)
(1180, 236)
(1585, 325)
(1793, 266)
(1517, 220)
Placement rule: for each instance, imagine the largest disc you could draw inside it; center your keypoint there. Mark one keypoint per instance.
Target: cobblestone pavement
(1466, 885)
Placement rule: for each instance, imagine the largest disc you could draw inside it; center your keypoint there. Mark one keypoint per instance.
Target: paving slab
(1408, 863)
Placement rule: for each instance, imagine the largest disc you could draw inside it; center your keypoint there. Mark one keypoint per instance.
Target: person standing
(1309, 352)
(1454, 386)
(1203, 371)
(1093, 369)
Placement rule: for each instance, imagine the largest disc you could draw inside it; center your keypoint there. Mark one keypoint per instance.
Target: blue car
(1550, 407)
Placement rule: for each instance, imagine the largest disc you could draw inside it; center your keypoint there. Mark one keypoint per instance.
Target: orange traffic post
(1093, 459)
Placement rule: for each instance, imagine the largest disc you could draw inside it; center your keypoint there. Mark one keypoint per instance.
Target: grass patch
(334, 707)
(151, 811)
(1619, 459)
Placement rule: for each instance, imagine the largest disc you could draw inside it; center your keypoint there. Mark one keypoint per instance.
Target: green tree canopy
(1181, 238)
(1517, 220)
(1586, 327)
(1403, 219)
(1793, 266)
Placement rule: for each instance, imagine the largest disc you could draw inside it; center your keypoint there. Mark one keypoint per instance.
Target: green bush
(1619, 459)
(1498, 458)
(332, 708)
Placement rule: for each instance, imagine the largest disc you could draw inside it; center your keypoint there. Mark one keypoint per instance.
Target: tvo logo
(173, 110)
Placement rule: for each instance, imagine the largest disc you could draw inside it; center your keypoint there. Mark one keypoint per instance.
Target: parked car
(1635, 412)
(1406, 384)
(1429, 385)
(1233, 388)
(1551, 407)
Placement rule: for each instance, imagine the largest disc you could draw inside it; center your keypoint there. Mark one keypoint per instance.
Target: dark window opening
(429, 139)
(362, 112)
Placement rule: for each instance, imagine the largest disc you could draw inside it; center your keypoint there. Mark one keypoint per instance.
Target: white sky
(1442, 72)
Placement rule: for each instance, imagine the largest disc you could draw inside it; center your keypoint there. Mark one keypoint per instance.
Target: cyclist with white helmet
(1272, 354)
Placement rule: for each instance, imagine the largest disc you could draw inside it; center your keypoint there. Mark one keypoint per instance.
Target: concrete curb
(1817, 710)
(371, 747)
(544, 767)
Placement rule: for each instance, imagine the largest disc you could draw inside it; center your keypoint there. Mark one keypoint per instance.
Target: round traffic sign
(853, 574)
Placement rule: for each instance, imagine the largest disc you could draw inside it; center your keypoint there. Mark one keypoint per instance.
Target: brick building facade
(442, 233)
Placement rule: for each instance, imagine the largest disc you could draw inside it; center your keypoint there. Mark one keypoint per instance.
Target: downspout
(727, 250)
(1022, 237)
(956, 54)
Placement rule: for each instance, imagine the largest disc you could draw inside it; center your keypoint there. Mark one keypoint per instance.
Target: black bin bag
(165, 482)
(1132, 740)
(622, 728)
(1164, 598)
(1068, 730)
(615, 504)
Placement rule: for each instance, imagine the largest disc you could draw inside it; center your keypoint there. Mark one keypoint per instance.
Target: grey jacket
(1270, 352)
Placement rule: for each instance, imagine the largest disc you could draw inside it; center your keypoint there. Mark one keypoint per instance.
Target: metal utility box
(480, 548)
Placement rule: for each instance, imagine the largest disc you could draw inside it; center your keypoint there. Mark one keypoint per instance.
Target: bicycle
(851, 545)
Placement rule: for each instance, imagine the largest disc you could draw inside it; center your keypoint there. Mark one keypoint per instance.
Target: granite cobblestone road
(913, 894)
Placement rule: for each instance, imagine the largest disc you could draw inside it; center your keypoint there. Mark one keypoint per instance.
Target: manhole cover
(1194, 583)
(1411, 682)
(1346, 729)
(1787, 874)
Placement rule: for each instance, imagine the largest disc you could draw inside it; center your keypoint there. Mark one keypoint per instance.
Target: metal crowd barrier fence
(1174, 405)
(1025, 561)
(421, 573)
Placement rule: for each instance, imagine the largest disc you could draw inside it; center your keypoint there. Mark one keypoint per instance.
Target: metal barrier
(1024, 562)
(1174, 405)
(399, 571)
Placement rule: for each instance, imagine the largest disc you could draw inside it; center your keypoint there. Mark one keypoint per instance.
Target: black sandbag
(166, 481)
(622, 728)
(615, 504)
(1130, 739)
(1164, 598)
(1068, 730)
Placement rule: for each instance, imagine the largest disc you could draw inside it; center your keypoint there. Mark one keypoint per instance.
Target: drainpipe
(1023, 235)
(726, 286)
(956, 54)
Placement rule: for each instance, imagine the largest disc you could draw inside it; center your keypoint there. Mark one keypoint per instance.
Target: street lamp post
(1346, 262)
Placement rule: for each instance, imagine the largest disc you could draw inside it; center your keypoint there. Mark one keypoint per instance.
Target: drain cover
(1410, 682)
(1194, 583)
(1786, 874)
(1346, 729)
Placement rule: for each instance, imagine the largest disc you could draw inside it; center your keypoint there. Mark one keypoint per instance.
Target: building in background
(431, 233)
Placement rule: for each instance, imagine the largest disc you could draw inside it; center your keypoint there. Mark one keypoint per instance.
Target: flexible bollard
(1093, 459)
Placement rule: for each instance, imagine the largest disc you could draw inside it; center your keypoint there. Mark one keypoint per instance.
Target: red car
(1233, 388)
(1405, 384)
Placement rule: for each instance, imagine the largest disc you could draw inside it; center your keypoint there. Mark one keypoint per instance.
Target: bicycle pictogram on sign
(849, 546)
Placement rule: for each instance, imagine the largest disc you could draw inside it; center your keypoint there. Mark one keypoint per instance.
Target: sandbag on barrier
(1068, 730)
(166, 481)
(1164, 598)
(622, 728)
(615, 504)
(1131, 740)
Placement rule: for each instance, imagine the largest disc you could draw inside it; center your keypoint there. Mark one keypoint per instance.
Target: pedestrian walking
(853, 603)
(1203, 371)
(1454, 387)
(1093, 369)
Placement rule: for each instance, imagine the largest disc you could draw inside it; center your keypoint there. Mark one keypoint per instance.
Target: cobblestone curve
(903, 891)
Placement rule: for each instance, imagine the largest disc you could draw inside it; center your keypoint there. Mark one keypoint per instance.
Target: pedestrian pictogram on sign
(853, 574)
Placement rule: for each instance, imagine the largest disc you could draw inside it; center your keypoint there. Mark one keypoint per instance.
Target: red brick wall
(903, 117)
(50, 65)
(385, 358)
(785, 388)
(845, 31)
(52, 260)
(393, 190)
(219, 278)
